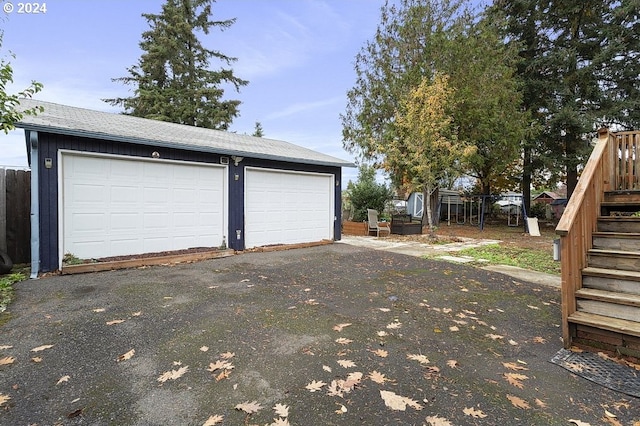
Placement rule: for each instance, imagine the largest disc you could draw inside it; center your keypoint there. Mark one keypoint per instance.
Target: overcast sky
(298, 56)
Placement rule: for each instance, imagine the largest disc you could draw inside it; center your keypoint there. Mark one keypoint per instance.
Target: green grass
(532, 259)
(6, 288)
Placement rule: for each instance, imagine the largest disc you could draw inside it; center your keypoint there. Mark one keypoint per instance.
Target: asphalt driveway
(330, 335)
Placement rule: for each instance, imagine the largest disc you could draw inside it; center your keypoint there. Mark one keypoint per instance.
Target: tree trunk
(426, 199)
(526, 182)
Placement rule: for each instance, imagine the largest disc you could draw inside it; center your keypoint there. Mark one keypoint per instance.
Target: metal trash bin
(556, 249)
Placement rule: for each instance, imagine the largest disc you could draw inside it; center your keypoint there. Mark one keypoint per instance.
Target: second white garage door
(114, 206)
(287, 207)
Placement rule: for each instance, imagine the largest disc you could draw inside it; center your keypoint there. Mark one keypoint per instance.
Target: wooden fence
(15, 223)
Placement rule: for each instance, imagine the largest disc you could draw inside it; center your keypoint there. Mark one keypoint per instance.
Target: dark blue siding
(49, 144)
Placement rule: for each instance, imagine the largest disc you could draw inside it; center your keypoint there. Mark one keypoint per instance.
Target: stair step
(626, 195)
(628, 241)
(614, 259)
(610, 297)
(611, 280)
(606, 323)
(618, 224)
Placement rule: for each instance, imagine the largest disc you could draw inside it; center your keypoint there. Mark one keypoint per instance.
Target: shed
(107, 185)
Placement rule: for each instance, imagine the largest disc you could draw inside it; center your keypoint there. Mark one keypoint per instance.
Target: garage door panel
(115, 206)
(287, 207)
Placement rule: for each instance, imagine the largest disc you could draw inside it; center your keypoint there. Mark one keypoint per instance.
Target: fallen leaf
(315, 386)
(249, 407)
(611, 421)
(420, 358)
(397, 402)
(281, 410)
(3, 347)
(213, 420)
(382, 333)
(394, 325)
(478, 414)
(452, 363)
(41, 348)
(224, 374)
(63, 379)
(343, 341)
(515, 379)
(220, 365)
(327, 368)
(385, 309)
(99, 310)
(204, 349)
(127, 355)
(311, 302)
(454, 328)
(114, 322)
(438, 421)
(227, 355)
(518, 402)
(533, 307)
(540, 403)
(339, 327)
(579, 423)
(381, 353)
(36, 359)
(539, 339)
(377, 377)
(609, 414)
(136, 314)
(513, 342)
(346, 363)
(173, 374)
(280, 422)
(494, 336)
(4, 399)
(513, 366)
(7, 360)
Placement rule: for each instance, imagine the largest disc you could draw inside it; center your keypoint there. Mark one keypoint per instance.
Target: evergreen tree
(258, 131)
(173, 80)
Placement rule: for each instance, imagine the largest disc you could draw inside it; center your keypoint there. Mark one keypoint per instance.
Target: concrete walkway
(442, 251)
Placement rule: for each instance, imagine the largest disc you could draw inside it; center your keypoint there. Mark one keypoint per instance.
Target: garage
(114, 205)
(284, 207)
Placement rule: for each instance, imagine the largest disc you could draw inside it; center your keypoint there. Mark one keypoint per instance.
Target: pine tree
(173, 80)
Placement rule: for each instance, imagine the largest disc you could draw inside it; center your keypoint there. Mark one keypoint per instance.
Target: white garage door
(287, 207)
(113, 206)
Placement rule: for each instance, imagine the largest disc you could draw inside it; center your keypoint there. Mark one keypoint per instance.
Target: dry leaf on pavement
(280, 422)
(513, 366)
(281, 410)
(381, 353)
(4, 399)
(213, 420)
(438, 421)
(346, 363)
(220, 365)
(452, 363)
(515, 379)
(420, 358)
(397, 402)
(63, 379)
(227, 355)
(173, 374)
(579, 423)
(478, 414)
(41, 348)
(343, 341)
(127, 355)
(114, 322)
(339, 327)
(518, 402)
(378, 377)
(249, 407)
(315, 386)
(7, 360)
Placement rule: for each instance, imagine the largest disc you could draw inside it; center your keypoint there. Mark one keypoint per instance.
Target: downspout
(35, 206)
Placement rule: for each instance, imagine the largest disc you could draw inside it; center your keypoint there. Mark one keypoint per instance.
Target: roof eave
(153, 142)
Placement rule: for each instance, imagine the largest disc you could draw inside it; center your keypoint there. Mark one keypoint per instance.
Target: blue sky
(298, 56)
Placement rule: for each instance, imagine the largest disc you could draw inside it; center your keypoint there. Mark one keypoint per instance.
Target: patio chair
(374, 226)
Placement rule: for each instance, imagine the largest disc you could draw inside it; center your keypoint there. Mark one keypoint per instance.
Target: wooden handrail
(578, 222)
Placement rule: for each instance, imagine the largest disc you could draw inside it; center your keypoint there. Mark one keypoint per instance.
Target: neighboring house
(108, 185)
(554, 203)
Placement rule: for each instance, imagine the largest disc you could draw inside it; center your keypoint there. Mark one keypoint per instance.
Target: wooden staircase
(601, 256)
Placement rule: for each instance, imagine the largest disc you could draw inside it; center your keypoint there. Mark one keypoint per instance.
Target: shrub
(366, 193)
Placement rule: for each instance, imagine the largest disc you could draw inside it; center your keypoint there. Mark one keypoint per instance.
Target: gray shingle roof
(68, 120)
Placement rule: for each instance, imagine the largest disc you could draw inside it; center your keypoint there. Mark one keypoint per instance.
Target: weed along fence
(15, 207)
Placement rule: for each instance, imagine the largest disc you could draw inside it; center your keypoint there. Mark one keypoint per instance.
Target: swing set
(472, 209)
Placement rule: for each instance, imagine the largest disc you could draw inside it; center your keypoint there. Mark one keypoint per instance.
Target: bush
(366, 193)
